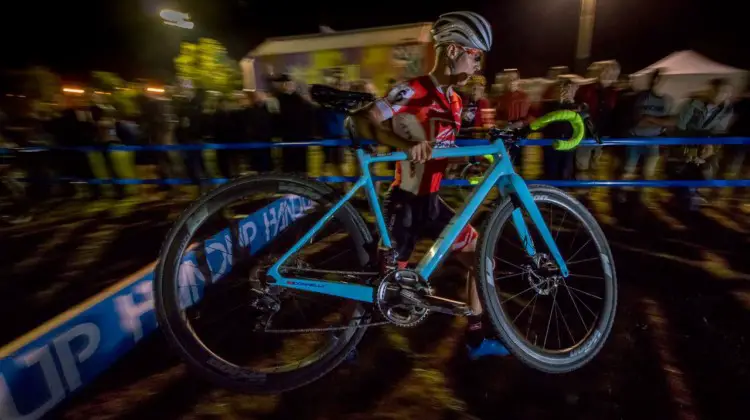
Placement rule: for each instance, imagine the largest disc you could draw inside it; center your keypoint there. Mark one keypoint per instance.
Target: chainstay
(319, 271)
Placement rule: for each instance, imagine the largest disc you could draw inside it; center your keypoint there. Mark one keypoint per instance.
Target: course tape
(45, 366)
(715, 183)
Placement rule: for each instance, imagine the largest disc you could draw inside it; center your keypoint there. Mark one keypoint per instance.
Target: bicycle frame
(500, 175)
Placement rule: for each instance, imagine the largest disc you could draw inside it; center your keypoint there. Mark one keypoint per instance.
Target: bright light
(175, 18)
(72, 90)
(155, 90)
(181, 24)
(173, 15)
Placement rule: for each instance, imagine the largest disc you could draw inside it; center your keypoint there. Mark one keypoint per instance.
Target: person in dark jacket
(558, 164)
(601, 99)
(294, 123)
(260, 129)
(191, 128)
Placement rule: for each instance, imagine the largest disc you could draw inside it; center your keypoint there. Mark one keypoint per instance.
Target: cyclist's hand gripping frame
(500, 175)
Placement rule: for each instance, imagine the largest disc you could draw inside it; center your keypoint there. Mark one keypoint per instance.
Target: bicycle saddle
(339, 99)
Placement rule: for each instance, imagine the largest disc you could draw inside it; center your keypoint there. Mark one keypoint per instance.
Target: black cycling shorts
(412, 217)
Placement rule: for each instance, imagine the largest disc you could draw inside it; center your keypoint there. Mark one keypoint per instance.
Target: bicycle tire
(580, 355)
(200, 359)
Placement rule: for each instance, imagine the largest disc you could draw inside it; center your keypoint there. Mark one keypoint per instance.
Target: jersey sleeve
(395, 100)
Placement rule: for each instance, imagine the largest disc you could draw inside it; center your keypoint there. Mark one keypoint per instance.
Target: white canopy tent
(686, 72)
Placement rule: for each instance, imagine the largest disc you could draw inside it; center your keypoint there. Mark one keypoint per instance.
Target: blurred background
(90, 91)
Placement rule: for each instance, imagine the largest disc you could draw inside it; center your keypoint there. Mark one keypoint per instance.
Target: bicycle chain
(311, 330)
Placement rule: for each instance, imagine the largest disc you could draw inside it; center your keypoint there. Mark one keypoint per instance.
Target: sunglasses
(477, 54)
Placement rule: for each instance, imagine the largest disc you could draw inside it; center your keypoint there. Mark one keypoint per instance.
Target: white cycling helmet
(468, 29)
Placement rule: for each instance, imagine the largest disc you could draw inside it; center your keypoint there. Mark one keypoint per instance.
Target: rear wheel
(205, 268)
(526, 297)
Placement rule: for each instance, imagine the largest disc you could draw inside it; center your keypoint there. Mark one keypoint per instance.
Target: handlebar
(575, 120)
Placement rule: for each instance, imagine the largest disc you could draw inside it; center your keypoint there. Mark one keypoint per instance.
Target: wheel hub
(544, 275)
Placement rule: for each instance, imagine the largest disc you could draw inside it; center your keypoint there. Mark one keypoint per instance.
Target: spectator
(513, 104)
(550, 91)
(103, 117)
(191, 129)
(226, 131)
(260, 129)
(650, 119)
(513, 108)
(75, 128)
(295, 123)
(600, 98)
(475, 113)
(557, 164)
(705, 115)
(734, 155)
(331, 126)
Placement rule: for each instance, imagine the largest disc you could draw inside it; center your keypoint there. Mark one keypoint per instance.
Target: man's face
(609, 75)
(466, 62)
(567, 91)
(477, 91)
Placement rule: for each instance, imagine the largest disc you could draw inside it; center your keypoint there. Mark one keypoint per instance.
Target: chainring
(391, 303)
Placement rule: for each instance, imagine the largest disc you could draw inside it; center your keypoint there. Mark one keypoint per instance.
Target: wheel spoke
(542, 278)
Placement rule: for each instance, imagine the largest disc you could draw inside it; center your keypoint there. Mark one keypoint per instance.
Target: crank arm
(455, 311)
(451, 307)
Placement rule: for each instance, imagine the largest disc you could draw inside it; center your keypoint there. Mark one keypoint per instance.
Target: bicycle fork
(515, 187)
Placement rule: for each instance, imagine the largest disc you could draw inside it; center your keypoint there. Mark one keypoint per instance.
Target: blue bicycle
(296, 271)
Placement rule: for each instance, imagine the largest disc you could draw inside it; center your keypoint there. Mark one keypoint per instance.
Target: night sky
(126, 36)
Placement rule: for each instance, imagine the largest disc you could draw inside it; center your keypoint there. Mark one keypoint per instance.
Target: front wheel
(551, 323)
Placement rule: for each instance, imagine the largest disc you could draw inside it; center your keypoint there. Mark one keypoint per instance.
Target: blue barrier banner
(73, 349)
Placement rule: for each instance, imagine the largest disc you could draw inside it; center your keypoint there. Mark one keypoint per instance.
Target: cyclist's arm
(370, 123)
(374, 120)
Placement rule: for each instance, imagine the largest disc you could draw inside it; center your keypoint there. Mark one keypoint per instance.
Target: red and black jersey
(439, 112)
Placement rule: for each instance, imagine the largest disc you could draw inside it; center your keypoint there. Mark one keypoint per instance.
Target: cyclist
(413, 207)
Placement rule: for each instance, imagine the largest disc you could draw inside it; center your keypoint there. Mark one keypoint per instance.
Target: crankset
(406, 299)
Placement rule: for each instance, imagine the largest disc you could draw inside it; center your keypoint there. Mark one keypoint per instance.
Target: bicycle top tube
(450, 152)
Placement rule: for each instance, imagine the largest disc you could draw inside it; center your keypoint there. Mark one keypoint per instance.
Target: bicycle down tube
(501, 174)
